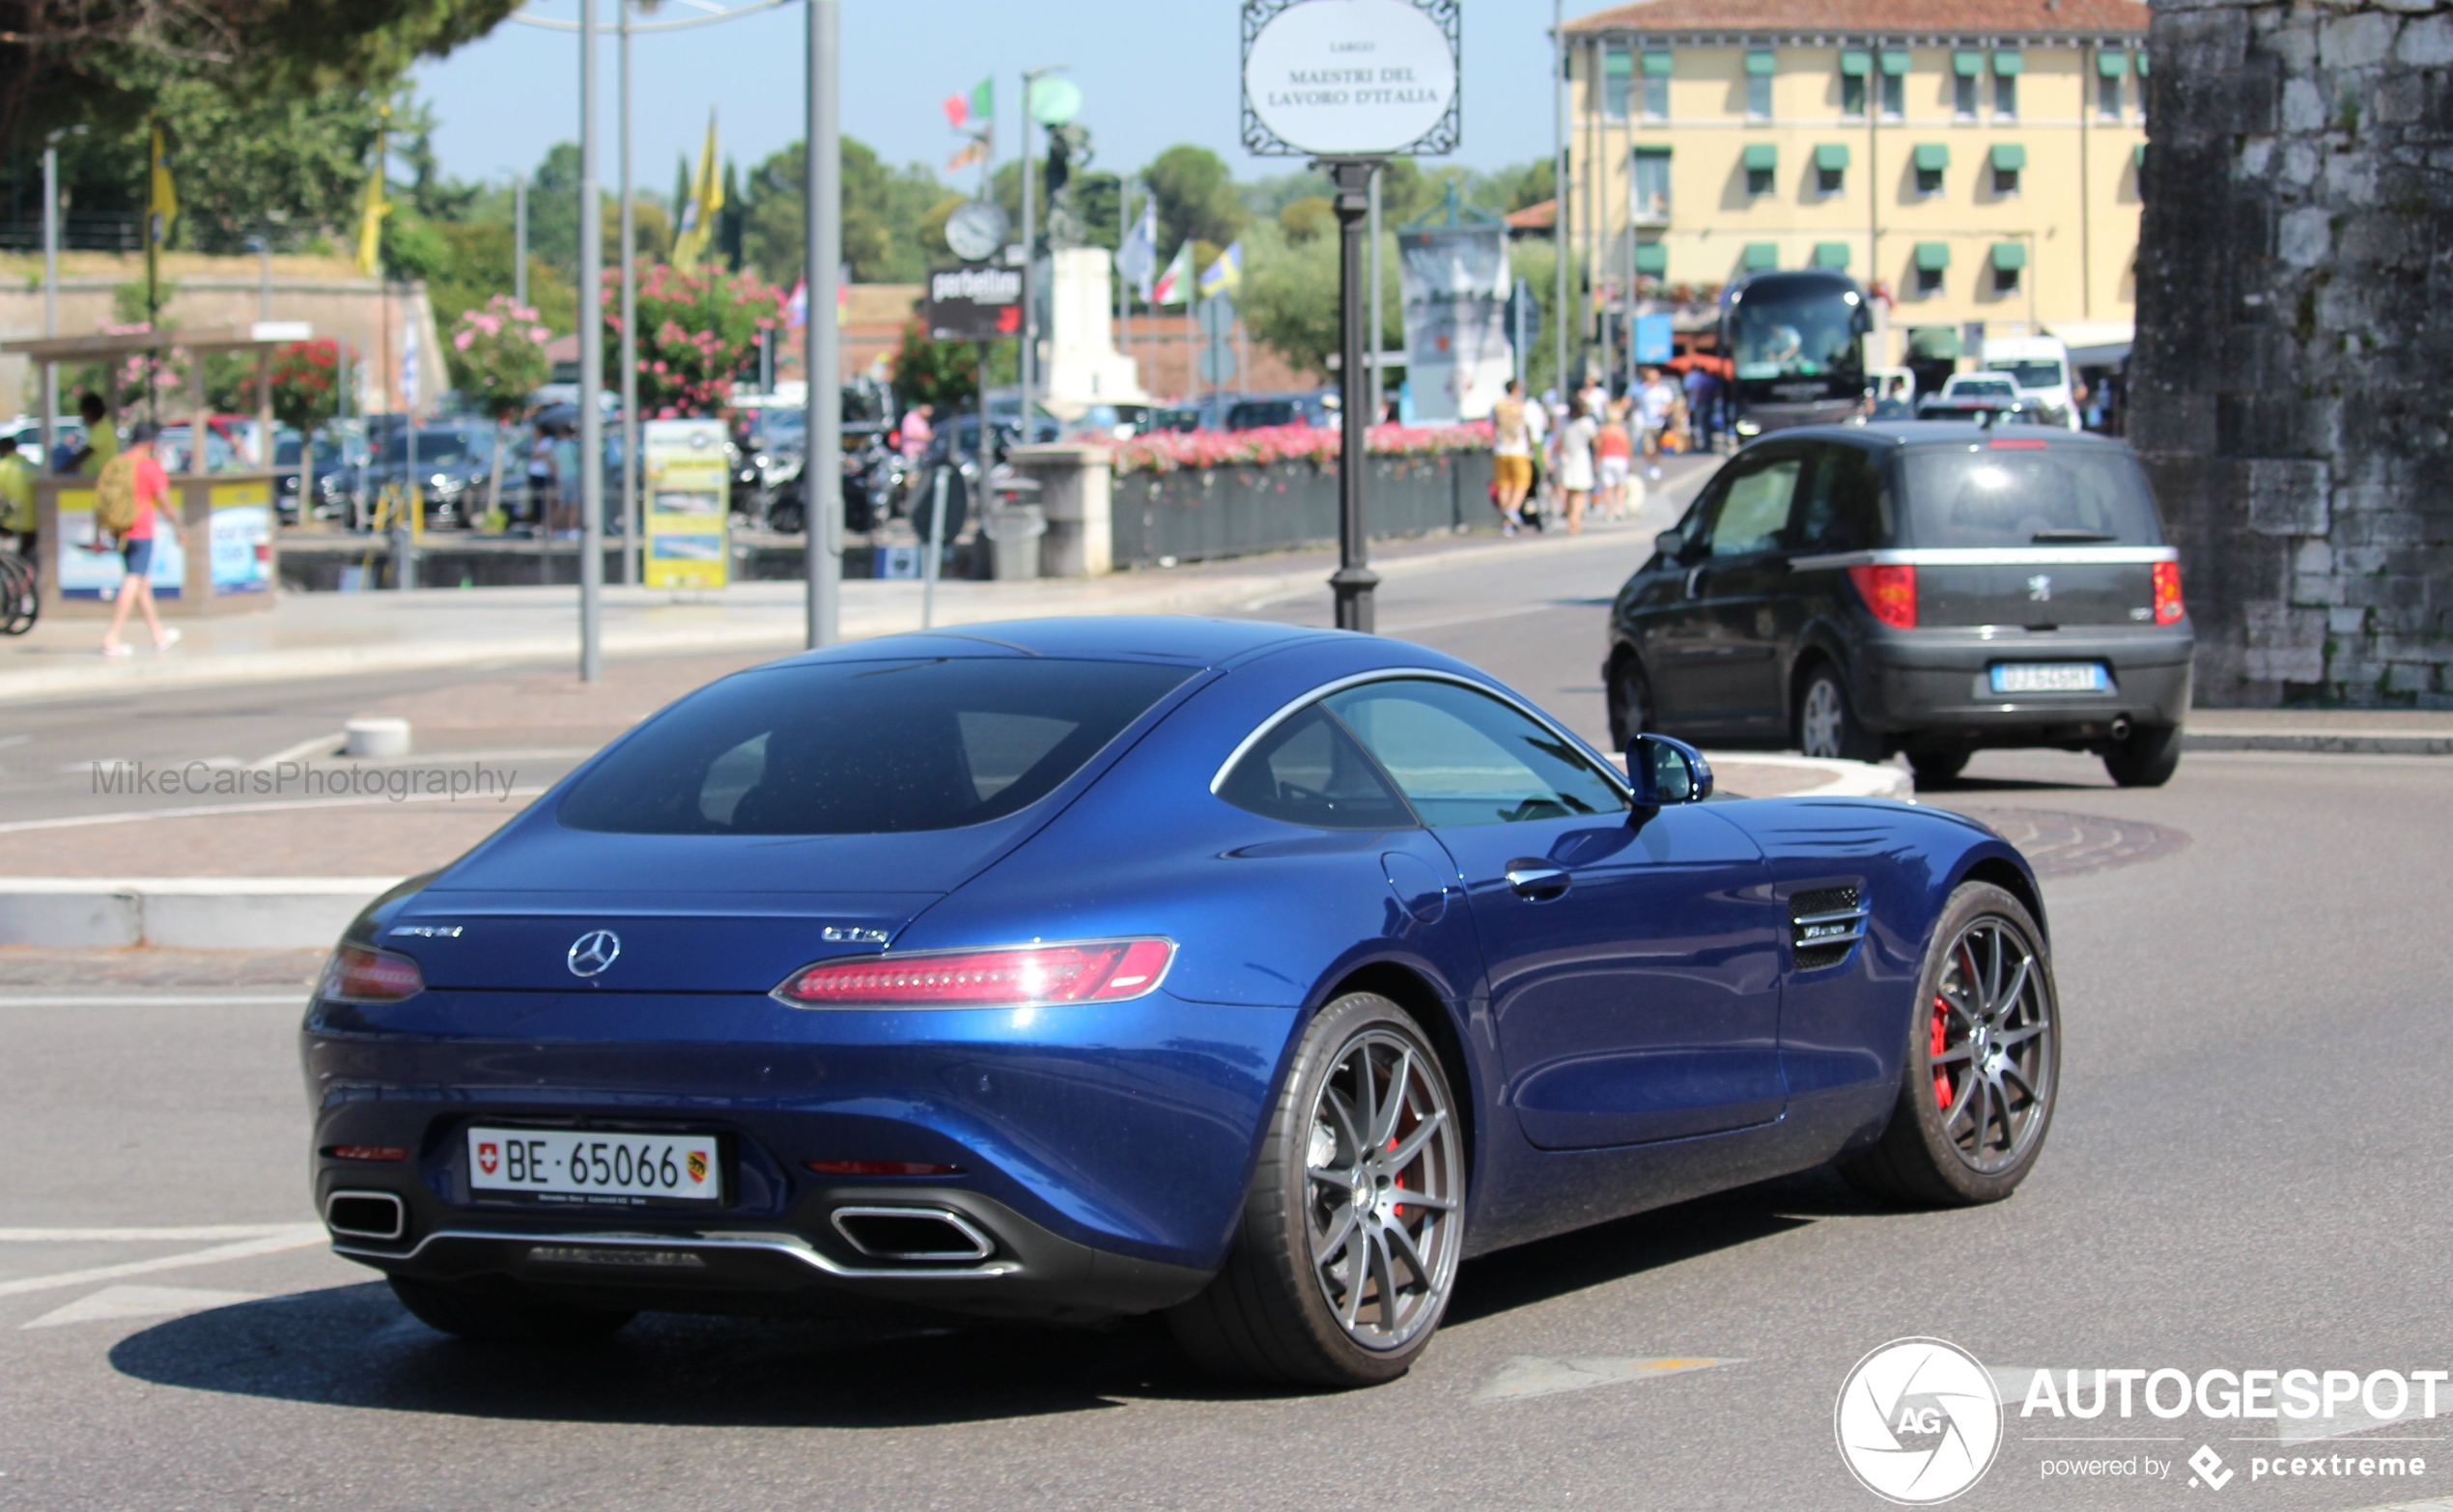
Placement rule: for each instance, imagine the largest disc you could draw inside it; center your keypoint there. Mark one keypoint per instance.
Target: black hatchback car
(1915, 587)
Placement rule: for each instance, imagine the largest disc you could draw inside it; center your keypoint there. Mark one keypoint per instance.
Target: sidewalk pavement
(2334, 732)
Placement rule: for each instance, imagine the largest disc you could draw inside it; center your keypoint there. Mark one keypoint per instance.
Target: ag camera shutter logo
(1918, 1421)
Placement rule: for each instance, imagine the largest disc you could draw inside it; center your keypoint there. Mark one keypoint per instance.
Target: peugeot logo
(2040, 588)
(592, 952)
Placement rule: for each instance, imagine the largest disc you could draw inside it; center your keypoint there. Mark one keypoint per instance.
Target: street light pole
(1379, 385)
(51, 299)
(631, 543)
(520, 240)
(591, 367)
(1029, 370)
(822, 462)
(1353, 582)
(1558, 180)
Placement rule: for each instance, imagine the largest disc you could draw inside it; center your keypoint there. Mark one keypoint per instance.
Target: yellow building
(1975, 160)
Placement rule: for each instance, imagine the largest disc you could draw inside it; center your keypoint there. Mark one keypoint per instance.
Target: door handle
(1538, 881)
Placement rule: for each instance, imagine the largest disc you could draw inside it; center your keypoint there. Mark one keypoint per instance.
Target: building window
(1928, 281)
(1651, 206)
(1895, 83)
(2004, 181)
(2142, 89)
(2006, 66)
(1618, 81)
(2009, 258)
(2108, 97)
(1852, 99)
(1759, 70)
(1758, 180)
(1931, 159)
(2005, 280)
(1763, 168)
(1933, 260)
(1968, 67)
(1831, 167)
(1656, 86)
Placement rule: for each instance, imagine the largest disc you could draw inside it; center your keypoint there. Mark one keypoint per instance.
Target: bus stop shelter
(229, 558)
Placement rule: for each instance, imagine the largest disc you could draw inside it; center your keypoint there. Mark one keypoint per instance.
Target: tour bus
(1796, 342)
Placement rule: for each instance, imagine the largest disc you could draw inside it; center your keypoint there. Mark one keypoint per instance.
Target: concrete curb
(2331, 742)
(1846, 778)
(183, 912)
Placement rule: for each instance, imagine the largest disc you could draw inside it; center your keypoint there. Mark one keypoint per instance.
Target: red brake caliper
(1398, 1210)
(1941, 1077)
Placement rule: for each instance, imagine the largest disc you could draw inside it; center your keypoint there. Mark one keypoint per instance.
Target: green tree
(1195, 197)
(498, 356)
(883, 212)
(1314, 216)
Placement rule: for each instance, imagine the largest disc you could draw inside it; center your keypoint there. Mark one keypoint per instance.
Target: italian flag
(1175, 285)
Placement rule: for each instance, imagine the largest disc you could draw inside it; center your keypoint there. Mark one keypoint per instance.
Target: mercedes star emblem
(593, 951)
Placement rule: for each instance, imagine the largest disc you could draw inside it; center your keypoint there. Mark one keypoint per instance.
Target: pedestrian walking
(16, 495)
(915, 433)
(538, 505)
(101, 438)
(1613, 456)
(565, 451)
(1653, 402)
(1702, 406)
(1511, 457)
(1575, 457)
(130, 498)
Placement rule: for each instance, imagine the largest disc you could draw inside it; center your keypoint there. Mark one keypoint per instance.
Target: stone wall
(2293, 380)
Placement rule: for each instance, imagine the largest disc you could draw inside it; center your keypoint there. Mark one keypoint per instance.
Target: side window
(1841, 505)
(1310, 771)
(1755, 510)
(1465, 758)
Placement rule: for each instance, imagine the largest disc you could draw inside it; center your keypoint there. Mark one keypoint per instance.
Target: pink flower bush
(501, 355)
(696, 331)
(1165, 451)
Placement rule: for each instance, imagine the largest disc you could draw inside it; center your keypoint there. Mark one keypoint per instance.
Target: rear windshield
(873, 747)
(2029, 373)
(1989, 496)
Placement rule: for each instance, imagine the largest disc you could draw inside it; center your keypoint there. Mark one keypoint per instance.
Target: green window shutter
(2142, 67)
(1762, 256)
(1831, 254)
(2113, 64)
(1933, 344)
(1854, 61)
(1933, 156)
(2009, 157)
(1933, 256)
(1614, 65)
(1656, 65)
(1650, 257)
(1762, 156)
(1641, 149)
(1762, 61)
(1895, 62)
(1967, 63)
(2139, 157)
(2010, 256)
(2008, 63)
(1829, 156)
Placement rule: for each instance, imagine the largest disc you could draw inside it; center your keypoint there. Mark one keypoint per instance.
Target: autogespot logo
(1918, 1421)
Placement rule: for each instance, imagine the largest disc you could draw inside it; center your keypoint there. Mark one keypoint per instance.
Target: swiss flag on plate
(489, 1156)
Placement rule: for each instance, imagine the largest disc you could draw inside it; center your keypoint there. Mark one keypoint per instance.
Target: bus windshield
(1794, 338)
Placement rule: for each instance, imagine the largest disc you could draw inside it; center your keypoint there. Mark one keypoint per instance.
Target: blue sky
(1152, 73)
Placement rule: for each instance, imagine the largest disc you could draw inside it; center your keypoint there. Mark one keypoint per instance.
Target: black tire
(506, 1317)
(1630, 695)
(1923, 1159)
(2147, 759)
(1936, 768)
(1830, 729)
(1268, 1315)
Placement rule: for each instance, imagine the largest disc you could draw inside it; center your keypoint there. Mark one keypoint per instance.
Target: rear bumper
(1101, 1153)
(1938, 683)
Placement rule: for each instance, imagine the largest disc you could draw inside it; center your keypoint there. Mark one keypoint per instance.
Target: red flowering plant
(696, 331)
(1165, 451)
(306, 383)
(498, 356)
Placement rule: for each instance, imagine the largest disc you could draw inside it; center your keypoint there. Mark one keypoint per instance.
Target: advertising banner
(90, 566)
(1455, 282)
(978, 301)
(687, 503)
(242, 543)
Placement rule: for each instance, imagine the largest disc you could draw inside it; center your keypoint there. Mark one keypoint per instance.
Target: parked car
(1246, 974)
(455, 467)
(2040, 368)
(1929, 588)
(1974, 406)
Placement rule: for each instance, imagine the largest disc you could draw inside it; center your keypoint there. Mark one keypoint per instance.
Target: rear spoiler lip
(1991, 557)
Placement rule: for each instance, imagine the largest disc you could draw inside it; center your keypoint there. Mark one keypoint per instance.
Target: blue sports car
(1075, 969)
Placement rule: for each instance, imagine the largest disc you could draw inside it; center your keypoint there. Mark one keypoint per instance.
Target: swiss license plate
(582, 1165)
(2051, 677)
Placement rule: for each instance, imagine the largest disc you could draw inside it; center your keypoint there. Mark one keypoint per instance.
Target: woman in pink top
(136, 546)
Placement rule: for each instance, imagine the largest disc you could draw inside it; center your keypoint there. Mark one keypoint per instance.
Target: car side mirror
(1671, 543)
(1667, 772)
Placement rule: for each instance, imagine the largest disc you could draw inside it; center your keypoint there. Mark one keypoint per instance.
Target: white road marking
(312, 746)
(188, 1233)
(138, 1301)
(295, 1237)
(160, 1000)
(1537, 1375)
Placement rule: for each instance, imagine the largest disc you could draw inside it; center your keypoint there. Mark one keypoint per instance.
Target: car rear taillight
(382, 1154)
(1889, 591)
(2005, 443)
(1023, 976)
(2167, 593)
(364, 975)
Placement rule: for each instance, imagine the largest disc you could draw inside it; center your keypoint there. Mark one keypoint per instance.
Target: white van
(2040, 367)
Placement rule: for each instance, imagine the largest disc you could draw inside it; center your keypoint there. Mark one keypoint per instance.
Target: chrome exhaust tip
(366, 1214)
(912, 1234)
(2120, 727)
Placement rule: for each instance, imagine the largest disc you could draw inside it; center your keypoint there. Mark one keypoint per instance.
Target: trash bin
(1015, 531)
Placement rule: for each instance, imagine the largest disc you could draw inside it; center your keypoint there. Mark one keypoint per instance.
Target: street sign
(975, 229)
(1218, 363)
(1350, 78)
(1216, 316)
(978, 301)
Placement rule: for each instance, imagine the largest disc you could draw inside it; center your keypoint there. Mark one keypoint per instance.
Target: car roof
(1932, 433)
(1162, 637)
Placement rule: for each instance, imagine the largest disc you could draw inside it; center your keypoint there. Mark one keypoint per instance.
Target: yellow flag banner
(698, 216)
(161, 207)
(373, 207)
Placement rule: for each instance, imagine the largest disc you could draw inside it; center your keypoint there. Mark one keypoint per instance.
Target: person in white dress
(1574, 452)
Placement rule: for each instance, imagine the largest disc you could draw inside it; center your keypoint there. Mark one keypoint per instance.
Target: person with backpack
(131, 502)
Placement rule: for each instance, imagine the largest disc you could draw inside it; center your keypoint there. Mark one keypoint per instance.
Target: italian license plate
(588, 1165)
(2051, 677)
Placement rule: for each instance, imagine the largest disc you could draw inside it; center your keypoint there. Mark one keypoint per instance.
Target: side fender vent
(1825, 925)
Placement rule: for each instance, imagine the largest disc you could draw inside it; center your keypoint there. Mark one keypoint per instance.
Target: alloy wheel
(1383, 1174)
(1993, 1040)
(1820, 718)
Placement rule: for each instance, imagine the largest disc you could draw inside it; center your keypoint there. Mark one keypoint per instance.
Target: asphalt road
(2249, 1170)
